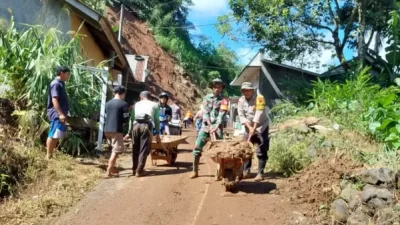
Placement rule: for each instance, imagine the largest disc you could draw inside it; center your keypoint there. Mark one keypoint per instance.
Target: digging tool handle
(249, 138)
(213, 138)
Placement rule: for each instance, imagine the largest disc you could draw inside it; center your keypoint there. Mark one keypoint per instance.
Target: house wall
(283, 79)
(91, 50)
(47, 12)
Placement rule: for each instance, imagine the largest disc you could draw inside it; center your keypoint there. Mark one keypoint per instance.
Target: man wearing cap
(57, 109)
(117, 113)
(214, 108)
(252, 114)
(143, 114)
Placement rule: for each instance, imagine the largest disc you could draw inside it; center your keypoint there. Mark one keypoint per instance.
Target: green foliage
(73, 144)
(384, 117)
(31, 124)
(98, 5)
(285, 109)
(287, 29)
(27, 64)
(17, 166)
(28, 60)
(286, 155)
(360, 104)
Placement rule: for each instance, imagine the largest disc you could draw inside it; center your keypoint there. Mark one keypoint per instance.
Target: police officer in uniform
(143, 114)
(214, 108)
(253, 115)
(165, 113)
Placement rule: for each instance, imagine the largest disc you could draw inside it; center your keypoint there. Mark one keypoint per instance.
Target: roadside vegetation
(33, 190)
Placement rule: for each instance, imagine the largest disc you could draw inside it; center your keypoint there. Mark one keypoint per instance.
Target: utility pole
(121, 17)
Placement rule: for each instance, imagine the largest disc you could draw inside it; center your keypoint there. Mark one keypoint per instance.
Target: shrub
(362, 105)
(286, 155)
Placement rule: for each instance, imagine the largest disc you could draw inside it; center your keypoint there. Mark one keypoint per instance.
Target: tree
(287, 28)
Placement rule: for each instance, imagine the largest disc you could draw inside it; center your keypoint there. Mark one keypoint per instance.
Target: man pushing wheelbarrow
(214, 108)
(252, 114)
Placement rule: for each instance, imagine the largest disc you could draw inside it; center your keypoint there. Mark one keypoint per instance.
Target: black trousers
(142, 136)
(262, 140)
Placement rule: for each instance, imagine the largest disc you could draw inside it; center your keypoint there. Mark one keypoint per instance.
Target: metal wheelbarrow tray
(166, 150)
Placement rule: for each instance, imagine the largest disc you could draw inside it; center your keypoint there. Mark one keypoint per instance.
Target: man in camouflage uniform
(214, 108)
(253, 115)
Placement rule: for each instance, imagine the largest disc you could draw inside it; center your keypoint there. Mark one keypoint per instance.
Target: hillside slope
(166, 74)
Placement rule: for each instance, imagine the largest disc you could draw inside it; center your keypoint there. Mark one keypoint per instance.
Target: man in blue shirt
(57, 109)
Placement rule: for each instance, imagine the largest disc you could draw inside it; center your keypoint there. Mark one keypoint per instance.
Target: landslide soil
(166, 74)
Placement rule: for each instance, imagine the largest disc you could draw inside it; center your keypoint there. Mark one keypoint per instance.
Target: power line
(161, 4)
(201, 25)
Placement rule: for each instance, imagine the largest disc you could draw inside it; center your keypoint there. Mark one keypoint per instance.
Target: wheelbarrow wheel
(174, 155)
(229, 180)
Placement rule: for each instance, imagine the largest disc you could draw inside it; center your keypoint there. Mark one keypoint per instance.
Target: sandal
(110, 175)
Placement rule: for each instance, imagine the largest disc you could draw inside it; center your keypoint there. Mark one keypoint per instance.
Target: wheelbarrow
(229, 169)
(166, 150)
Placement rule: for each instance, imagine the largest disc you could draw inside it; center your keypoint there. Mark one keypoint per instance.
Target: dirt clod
(230, 148)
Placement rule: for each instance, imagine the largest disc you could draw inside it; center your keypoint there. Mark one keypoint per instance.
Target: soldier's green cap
(216, 81)
(247, 86)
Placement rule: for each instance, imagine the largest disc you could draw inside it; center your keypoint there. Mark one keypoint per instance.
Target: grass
(291, 151)
(44, 190)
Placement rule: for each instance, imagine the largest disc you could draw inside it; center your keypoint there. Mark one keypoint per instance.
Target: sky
(207, 12)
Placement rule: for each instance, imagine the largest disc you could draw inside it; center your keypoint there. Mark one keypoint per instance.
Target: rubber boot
(195, 172)
(246, 169)
(261, 166)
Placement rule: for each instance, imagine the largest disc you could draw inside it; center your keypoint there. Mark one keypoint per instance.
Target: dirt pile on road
(166, 75)
(230, 148)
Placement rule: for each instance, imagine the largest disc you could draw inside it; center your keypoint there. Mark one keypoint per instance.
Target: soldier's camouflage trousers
(202, 139)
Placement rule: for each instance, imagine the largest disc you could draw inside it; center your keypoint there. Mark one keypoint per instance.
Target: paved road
(168, 197)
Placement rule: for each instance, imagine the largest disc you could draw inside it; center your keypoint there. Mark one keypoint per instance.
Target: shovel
(213, 137)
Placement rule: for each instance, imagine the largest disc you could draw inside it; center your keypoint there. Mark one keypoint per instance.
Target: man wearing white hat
(252, 114)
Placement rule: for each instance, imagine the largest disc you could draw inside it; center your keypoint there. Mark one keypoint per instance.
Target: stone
(378, 176)
(299, 219)
(345, 184)
(339, 210)
(349, 194)
(336, 126)
(355, 203)
(358, 218)
(299, 138)
(321, 129)
(377, 203)
(327, 144)
(368, 186)
(367, 210)
(312, 152)
(372, 192)
(303, 128)
(386, 216)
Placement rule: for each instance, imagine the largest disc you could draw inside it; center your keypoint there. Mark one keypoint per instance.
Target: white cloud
(209, 8)
(245, 55)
